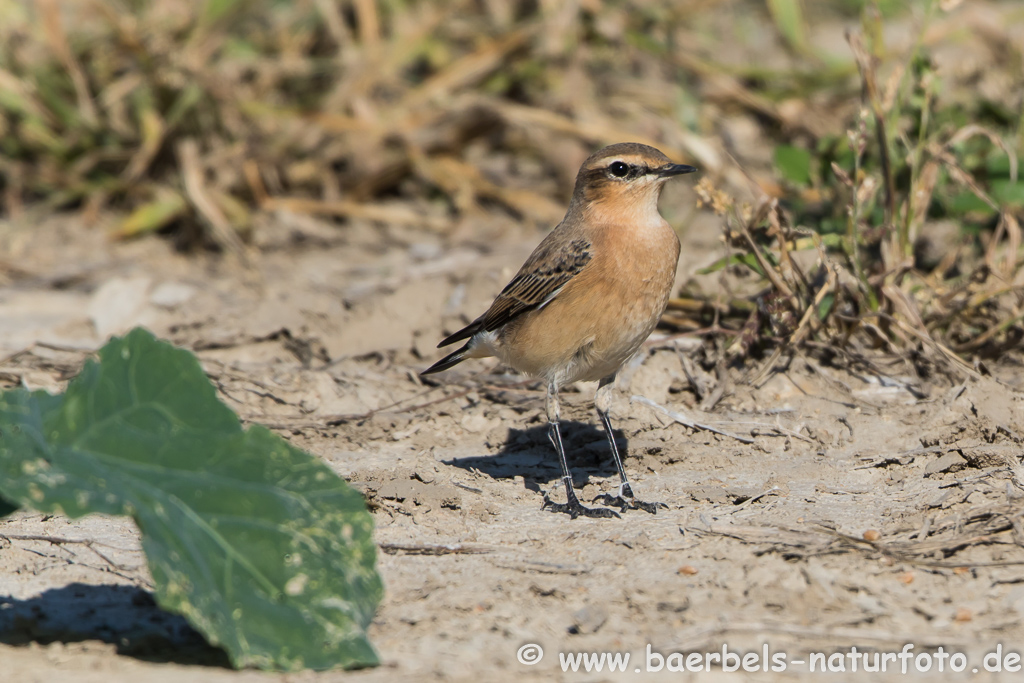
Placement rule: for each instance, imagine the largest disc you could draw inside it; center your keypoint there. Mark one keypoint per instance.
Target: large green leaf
(258, 544)
(7, 507)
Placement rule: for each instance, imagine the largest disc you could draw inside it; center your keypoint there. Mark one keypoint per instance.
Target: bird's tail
(448, 361)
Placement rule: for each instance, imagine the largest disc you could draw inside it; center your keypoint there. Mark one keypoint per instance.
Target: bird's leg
(624, 495)
(603, 403)
(572, 505)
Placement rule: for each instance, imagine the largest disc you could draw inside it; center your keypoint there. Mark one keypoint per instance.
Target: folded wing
(538, 282)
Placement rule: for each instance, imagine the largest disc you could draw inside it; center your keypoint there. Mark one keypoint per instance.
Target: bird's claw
(574, 509)
(628, 503)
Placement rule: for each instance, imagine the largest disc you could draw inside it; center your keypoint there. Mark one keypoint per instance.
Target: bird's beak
(669, 170)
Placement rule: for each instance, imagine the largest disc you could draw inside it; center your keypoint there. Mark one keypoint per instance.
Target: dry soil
(843, 509)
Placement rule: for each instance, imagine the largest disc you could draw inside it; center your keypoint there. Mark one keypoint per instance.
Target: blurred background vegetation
(885, 133)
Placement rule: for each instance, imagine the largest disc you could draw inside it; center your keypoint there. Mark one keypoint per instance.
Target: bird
(587, 298)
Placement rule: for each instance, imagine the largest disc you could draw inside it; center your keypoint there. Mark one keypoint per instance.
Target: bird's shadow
(529, 453)
(124, 616)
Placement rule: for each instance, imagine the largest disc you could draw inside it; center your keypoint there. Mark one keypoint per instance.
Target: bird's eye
(619, 169)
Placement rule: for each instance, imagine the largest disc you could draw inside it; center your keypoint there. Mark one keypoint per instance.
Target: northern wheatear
(588, 296)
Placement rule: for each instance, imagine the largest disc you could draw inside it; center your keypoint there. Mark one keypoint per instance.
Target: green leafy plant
(794, 164)
(914, 216)
(789, 20)
(258, 544)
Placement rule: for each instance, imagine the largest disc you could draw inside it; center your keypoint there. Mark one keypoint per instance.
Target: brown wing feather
(538, 280)
(548, 269)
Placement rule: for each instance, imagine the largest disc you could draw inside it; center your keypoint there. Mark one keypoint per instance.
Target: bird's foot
(574, 509)
(628, 504)
(623, 499)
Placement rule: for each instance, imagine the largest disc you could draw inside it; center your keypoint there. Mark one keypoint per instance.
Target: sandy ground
(762, 543)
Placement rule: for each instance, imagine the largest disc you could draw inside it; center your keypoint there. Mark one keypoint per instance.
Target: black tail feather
(465, 333)
(448, 361)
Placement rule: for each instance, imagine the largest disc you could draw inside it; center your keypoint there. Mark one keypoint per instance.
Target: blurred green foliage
(378, 103)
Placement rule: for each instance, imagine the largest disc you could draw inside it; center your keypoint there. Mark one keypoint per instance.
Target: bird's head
(626, 178)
